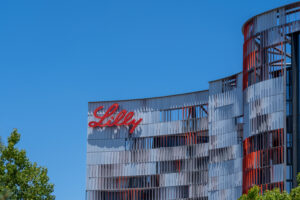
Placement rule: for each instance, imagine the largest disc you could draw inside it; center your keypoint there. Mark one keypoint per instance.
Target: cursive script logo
(123, 118)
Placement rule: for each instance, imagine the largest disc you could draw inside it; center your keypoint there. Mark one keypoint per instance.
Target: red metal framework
(260, 154)
(246, 57)
(263, 61)
(266, 56)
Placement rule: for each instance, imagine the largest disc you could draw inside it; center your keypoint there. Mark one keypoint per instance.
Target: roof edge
(159, 97)
(225, 77)
(284, 6)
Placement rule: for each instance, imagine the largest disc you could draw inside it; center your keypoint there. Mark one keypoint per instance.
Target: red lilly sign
(123, 118)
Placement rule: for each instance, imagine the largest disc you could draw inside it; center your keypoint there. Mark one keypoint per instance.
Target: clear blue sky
(56, 56)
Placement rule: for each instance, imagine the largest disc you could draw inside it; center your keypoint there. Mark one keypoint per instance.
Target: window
(184, 113)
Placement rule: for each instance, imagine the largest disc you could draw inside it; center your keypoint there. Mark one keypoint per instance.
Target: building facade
(213, 144)
(271, 99)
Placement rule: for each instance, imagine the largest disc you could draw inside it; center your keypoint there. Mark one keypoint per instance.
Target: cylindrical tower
(270, 105)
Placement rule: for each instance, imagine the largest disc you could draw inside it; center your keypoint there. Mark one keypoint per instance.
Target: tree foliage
(275, 194)
(19, 178)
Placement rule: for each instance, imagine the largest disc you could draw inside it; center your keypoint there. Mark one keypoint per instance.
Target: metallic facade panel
(267, 60)
(207, 145)
(165, 158)
(225, 143)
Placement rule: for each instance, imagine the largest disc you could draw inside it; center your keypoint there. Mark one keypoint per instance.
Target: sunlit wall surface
(225, 138)
(270, 99)
(166, 157)
(213, 144)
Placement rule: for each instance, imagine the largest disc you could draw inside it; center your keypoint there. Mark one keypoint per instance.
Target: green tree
(253, 194)
(19, 178)
(4, 194)
(275, 194)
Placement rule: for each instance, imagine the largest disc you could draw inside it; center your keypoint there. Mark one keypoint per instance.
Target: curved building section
(207, 145)
(165, 157)
(270, 105)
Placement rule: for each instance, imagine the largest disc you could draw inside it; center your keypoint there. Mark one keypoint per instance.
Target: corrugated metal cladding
(267, 65)
(213, 144)
(165, 158)
(225, 138)
(188, 146)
